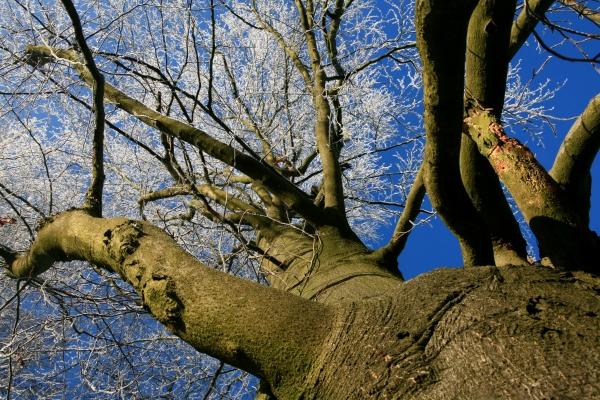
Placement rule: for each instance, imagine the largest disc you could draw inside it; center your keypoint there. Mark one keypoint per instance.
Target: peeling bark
(562, 235)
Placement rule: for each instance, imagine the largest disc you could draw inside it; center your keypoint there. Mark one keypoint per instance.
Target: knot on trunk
(159, 295)
(123, 240)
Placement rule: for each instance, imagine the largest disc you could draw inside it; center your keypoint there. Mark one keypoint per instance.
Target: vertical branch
(93, 197)
(326, 141)
(485, 84)
(213, 48)
(332, 50)
(441, 39)
(571, 168)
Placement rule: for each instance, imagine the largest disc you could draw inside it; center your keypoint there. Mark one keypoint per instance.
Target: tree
(244, 138)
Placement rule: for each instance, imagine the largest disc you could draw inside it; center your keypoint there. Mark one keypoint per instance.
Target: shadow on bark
(567, 246)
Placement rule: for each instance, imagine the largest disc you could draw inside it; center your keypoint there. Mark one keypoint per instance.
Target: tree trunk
(480, 333)
(349, 329)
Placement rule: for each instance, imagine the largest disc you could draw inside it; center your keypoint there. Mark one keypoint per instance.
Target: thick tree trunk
(480, 333)
(474, 333)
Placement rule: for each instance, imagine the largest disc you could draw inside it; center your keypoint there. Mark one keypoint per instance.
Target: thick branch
(327, 267)
(574, 159)
(242, 323)
(561, 234)
(486, 72)
(93, 197)
(291, 196)
(533, 11)
(441, 37)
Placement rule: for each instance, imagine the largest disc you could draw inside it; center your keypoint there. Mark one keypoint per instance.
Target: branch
(549, 49)
(412, 207)
(574, 159)
(485, 84)
(441, 39)
(291, 196)
(93, 197)
(242, 323)
(328, 139)
(561, 233)
(220, 196)
(582, 10)
(533, 11)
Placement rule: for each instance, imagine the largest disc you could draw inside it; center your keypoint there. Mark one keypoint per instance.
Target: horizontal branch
(213, 193)
(242, 323)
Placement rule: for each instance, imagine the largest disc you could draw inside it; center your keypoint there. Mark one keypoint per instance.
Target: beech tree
(219, 166)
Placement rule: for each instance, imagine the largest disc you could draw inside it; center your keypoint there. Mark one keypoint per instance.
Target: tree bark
(481, 333)
(561, 232)
(441, 39)
(486, 72)
(475, 333)
(267, 332)
(573, 162)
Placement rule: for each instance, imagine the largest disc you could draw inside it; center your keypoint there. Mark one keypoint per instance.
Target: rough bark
(475, 333)
(482, 333)
(247, 325)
